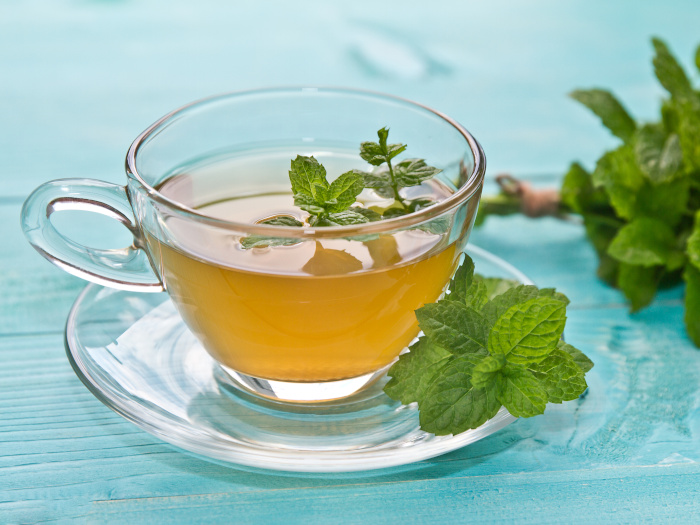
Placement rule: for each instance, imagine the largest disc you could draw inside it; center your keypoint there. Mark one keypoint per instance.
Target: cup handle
(127, 268)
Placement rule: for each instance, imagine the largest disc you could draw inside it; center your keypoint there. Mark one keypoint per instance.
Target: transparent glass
(135, 354)
(323, 314)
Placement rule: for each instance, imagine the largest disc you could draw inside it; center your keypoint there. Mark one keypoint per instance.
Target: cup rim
(463, 194)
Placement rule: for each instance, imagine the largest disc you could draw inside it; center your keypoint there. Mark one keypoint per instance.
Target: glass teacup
(321, 312)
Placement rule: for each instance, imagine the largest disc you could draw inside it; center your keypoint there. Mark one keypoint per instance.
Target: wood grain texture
(83, 78)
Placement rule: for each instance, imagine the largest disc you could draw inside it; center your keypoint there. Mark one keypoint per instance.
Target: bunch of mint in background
(641, 204)
(488, 343)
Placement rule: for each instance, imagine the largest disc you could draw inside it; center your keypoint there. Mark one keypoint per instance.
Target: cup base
(299, 392)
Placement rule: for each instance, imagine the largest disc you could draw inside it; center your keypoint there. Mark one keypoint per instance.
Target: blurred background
(81, 78)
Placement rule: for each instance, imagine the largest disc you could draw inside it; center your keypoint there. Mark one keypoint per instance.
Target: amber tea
(307, 312)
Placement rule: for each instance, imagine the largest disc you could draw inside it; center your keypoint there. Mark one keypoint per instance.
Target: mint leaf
(529, 331)
(344, 191)
(560, 376)
(551, 292)
(308, 178)
(379, 153)
(345, 218)
(412, 172)
(501, 304)
(670, 73)
(283, 220)
(485, 371)
(370, 215)
(454, 326)
(461, 281)
(691, 275)
(638, 283)
(666, 201)
(413, 373)
(452, 405)
(611, 112)
(259, 241)
(521, 392)
(693, 245)
(618, 173)
(308, 204)
(643, 242)
(495, 286)
(579, 357)
(379, 181)
(577, 190)
(659, 156)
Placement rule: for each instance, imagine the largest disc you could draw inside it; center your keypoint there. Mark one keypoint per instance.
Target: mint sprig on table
(333, 203)
(488, 343)
(641, 204)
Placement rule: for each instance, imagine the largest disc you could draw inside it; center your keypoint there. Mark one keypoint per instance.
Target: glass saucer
(136, 356)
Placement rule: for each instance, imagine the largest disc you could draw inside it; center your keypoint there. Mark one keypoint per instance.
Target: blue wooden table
(79, 79)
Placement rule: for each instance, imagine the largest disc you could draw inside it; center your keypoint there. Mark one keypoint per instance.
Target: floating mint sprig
(332, 204)
(488, 343)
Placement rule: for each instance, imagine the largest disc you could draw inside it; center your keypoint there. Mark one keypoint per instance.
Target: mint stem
(395, 185)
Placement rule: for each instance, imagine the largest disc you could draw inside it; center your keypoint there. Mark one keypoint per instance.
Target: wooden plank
(79, 111)
(73, 452)
(618, 495)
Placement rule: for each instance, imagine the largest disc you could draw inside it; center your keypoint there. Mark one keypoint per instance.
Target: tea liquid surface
(313, 311)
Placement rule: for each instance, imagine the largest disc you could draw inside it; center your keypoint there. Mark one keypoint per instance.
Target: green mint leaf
(380, 182)
(452, 405)
(495, 286)
(691, 275)
(521, 392)
(308, 178)
(413, 373)
(379, 153)
(464, 289)
(670, 73)
(436, 226)
(658, 157)
(609, 110)
(391, 213)
(643, 242)
(344, 190)
(283, 220)
(503, 302)
(618, 173)
(485, 371)
(372, 153)
(669, 116)
(528, 331)
(638, 283)
(600, 233)
(693, 244)
(577, 190)
(263, 241)
(551, 292)
(579, 357)
(371, 215)
(259, 241)
(345, 218)
(308, 204)
(666, 201)
(412, 172)
(560, 376)
(455, 327)
(461, 280)
(419, 204)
